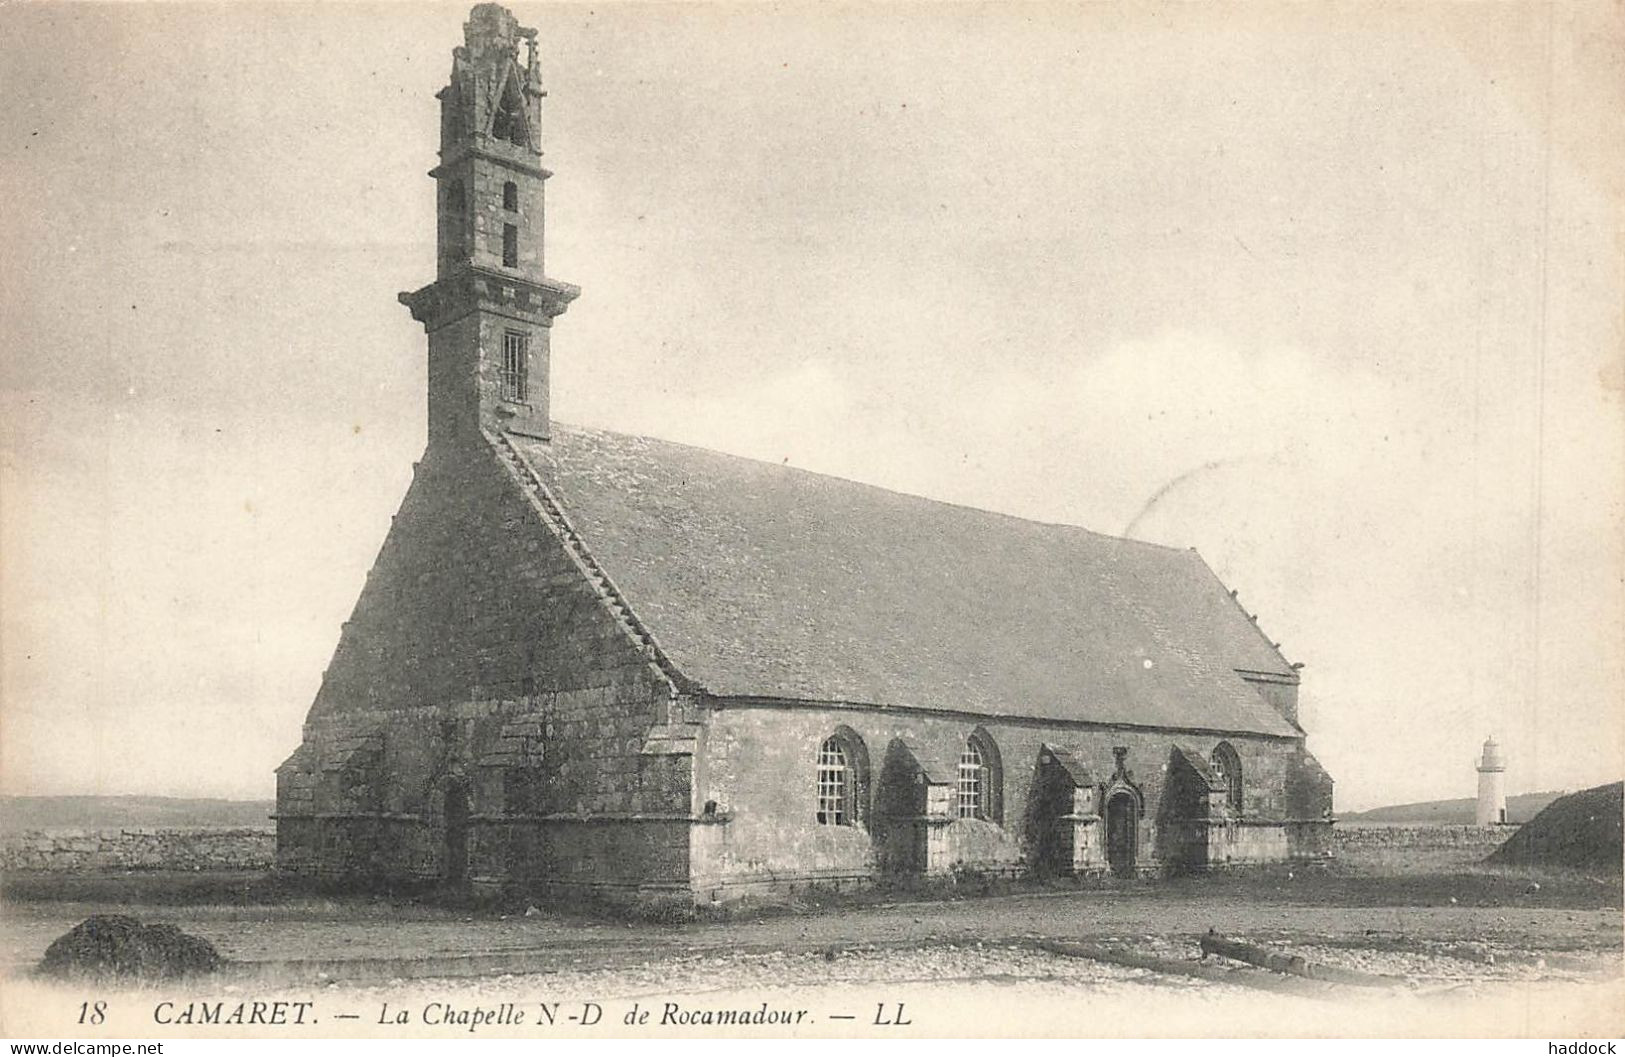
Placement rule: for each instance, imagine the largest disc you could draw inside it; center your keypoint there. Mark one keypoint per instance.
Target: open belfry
(591, 664)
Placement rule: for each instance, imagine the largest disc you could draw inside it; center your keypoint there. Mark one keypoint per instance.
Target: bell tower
(490, 309)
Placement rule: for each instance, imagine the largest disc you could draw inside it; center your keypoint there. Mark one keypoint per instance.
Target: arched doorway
(454, 861)
(1121, 833)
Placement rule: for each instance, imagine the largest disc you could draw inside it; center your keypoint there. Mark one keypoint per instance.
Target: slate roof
(761, 580)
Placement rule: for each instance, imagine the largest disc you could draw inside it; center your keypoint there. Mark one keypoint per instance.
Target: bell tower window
(510, 197)
(515, 357)
(509, 121)
(510, 246)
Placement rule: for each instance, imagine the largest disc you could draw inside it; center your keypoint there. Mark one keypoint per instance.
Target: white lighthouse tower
(1492, 789)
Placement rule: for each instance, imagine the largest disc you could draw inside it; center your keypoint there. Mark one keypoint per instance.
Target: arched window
(843, 780)
(510, 197)
(509, 121)
(1227, 764)
(515, 366)
(980, 782)
(834, 783)
(972, 789)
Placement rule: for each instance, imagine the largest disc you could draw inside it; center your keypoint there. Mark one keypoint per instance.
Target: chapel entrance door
(454, 869)
(1121, 835)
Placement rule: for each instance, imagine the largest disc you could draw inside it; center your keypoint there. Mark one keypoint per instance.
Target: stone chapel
(586, 664)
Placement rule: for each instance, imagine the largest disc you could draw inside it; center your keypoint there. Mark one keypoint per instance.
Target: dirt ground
(1432, 929)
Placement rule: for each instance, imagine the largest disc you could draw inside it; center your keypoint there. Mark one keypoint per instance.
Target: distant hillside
(1581, 830)
(19, 813)
(1520, 808)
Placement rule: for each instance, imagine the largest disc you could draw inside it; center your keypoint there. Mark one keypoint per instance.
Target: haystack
(115, 945)
(1581, 830)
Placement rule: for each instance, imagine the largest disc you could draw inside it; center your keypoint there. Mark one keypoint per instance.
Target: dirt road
(362, 932)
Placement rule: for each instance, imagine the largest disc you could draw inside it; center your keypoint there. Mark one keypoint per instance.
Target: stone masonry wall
(475, 632)
(139, 849)
(471, 598)
(1421, 836)
(1281, 694)
(761, 765)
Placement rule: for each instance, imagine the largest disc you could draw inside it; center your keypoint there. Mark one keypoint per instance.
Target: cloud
(1384, 532)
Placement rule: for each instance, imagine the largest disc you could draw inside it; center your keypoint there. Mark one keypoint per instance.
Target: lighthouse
(1492, 790)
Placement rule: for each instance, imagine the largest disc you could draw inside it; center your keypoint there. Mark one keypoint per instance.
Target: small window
(979, 785)
(510, 197)
(834, 784)
(522, 790)
(971, 782)
(515, 357)
(510, 246)
(453, 221)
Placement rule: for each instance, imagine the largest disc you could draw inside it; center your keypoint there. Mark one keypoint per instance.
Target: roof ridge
(800, 585)
(1067, 525)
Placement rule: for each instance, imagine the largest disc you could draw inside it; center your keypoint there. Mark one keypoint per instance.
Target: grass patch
(211, 891)
(1411, 877)
(148, 887)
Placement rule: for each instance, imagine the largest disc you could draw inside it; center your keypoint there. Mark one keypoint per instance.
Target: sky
(1330, 293)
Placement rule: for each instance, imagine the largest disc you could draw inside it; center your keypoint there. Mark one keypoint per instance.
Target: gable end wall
(475, 618)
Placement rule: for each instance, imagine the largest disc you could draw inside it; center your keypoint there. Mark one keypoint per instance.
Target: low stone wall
(1420, 836)
(139, 849)
(255, 849)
